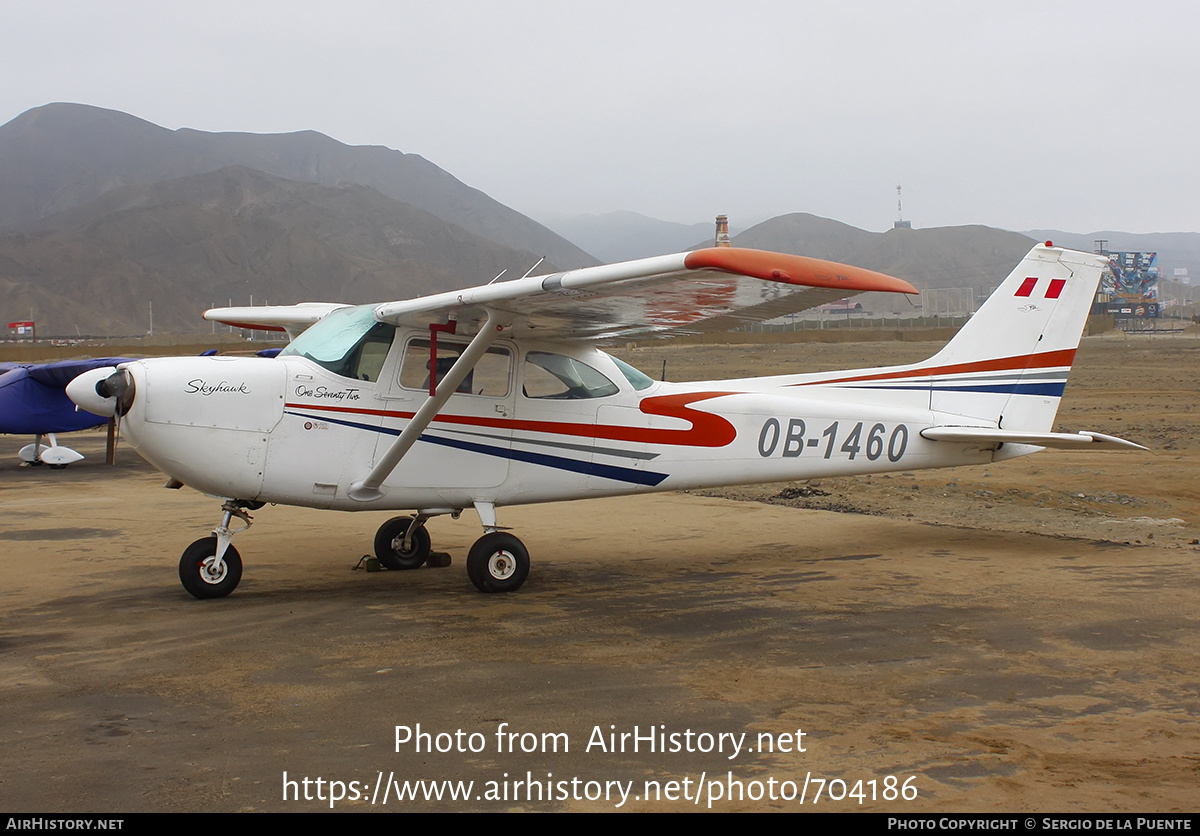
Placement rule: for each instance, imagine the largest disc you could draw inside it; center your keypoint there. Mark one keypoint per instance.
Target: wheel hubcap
(501, 565)
(210, 573)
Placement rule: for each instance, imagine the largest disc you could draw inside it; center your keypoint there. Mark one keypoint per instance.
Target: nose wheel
(211, 567)
(203, 575)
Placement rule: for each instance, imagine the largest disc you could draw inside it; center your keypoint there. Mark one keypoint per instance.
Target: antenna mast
(900, 222)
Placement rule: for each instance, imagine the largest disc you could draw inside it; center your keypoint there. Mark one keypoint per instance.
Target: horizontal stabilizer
(989, 437)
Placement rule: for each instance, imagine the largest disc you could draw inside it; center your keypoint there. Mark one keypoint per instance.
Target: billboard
(1131, 282)
(1138, 309)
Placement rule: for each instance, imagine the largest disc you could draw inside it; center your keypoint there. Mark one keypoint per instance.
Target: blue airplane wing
(33, 400)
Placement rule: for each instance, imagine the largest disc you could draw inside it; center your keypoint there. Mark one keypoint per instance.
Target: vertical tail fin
(1009, 363)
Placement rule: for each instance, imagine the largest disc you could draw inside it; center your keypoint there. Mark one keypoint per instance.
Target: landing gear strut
(211, 567)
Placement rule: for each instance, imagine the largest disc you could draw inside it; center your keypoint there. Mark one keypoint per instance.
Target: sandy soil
(1021, 637)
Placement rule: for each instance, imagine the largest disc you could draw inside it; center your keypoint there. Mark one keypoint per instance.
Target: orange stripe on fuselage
(707, 430)
(1049, 359)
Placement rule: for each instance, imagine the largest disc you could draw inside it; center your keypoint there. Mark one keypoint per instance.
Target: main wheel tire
(389, 544)
(196, 569)
(498, 562)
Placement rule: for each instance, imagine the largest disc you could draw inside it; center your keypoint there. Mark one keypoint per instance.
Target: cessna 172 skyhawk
(497, 396)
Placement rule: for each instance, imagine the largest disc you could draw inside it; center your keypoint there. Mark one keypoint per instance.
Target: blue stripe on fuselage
(1052, 389)
(606, 471)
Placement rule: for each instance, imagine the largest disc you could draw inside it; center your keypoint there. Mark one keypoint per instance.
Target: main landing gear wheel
(202, 577)
(389, 544)
(498, 562)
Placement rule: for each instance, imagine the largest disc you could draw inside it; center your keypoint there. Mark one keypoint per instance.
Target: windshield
(637, 379)
(348, 342)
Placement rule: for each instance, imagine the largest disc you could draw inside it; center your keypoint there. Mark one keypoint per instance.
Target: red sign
(20, 325)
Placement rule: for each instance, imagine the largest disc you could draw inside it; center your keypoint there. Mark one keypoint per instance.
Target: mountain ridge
(62, 155)
(234, 233)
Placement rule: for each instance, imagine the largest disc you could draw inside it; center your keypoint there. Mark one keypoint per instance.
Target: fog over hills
(622, 236)
(58, 156)
(103, 214)
(234, 233)
(961, 256)
(953, 256)
(976, 257)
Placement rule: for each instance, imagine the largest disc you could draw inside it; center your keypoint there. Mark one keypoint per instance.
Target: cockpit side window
(371, 354)
(559, 377)
(489, 377)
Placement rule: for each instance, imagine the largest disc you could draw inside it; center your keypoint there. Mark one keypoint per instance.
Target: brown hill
(235, 233)
(60, 156)
(951, 256)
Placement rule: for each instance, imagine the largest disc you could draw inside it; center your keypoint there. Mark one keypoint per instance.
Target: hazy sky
(1076, 115)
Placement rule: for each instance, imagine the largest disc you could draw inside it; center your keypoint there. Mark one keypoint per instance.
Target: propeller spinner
(105, 391)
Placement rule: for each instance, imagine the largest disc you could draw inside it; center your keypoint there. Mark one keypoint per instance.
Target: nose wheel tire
(498, 562)
(389, 544)
(200, 575)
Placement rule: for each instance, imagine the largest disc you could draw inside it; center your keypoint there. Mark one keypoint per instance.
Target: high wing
(714, 289)
(290, 318)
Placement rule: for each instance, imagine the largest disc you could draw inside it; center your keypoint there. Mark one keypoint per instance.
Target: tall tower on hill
(900, 222)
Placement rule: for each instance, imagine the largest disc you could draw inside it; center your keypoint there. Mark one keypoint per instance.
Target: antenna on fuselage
(498, 275)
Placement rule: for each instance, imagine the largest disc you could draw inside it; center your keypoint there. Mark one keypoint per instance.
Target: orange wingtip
(794, 269)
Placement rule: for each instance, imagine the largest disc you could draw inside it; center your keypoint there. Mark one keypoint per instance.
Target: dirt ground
(1020, 637)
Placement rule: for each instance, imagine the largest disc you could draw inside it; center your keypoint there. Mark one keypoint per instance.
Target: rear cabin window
(559, 377)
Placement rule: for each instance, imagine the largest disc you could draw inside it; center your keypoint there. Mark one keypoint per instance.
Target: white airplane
(496, 396)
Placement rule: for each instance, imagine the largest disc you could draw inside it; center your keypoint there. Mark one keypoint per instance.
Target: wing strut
(368, 488)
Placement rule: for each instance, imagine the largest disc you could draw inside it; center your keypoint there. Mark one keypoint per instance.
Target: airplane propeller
(105, 391)
(118, 385)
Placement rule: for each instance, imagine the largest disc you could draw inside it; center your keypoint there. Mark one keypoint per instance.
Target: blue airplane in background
(33, 401)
